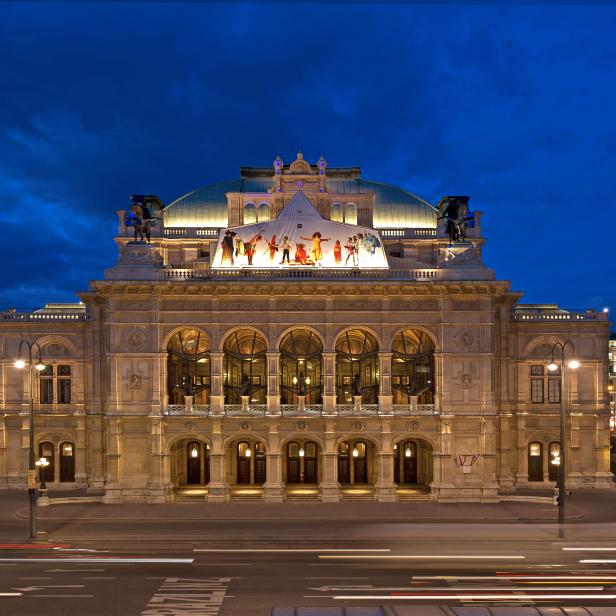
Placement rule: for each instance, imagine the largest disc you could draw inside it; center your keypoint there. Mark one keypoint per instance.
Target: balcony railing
(300, 273)
(13, 315)
(553, 313)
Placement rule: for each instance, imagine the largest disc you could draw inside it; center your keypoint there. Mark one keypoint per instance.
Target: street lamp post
(559, 349)
(21, 363)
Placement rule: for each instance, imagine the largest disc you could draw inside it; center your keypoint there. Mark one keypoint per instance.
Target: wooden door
(67, 461)
(535, 462)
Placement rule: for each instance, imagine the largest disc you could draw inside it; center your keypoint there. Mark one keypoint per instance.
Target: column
(161, 491)
(218, 490)
(505, 472)
(385, 487)
(329, 389)
(81, 477)
(521, 476)
(385, 396)
(273, 391)
(113, 489)
(442, 486)
(574, 456)
(217, 394)
(330, 488)
(3, 447)
(273, 488)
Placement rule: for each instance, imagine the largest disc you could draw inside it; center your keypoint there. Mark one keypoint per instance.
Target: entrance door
(293, 459)
(206, 463)
(311, 472)
(244, 455)
(46, 450)
(193, 463)
(553, 461)
(344, 466)
(360, 466)
(396, 464)
(535, 462)
(260, 464)
(410, 462)
(67, 461)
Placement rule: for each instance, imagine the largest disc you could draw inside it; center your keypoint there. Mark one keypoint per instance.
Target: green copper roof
(394, 207)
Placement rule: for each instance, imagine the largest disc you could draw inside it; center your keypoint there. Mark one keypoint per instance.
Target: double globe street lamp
(22, 362)
(559, 351)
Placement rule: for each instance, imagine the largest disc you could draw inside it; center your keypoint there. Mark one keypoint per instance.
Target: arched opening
(354, 462)
(250, 463)
(190, 463)
(350, 214)
(188, 367)
(301, 367)
(250, 213)
(553, 460)
(412, 367)
(357, 364)
(67, 461)
(302, 462)
(405, 463)
(264, 212)
(336, 214)
(47, 451)
(245, 367)
(535, 461)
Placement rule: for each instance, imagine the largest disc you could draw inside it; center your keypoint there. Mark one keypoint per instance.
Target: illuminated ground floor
(163, 458)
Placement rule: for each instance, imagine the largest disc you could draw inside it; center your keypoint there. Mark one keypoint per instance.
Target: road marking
(98, 577)
(330, 577)
(34, 578)
(73, 570)
(59, 596)
(11, 594)
(366, 588)
(176, 595)
(32, 588)
(588, 549)
(223, 564)
(601, 562)
(102, 559)
(282, 550)
(424, 557)
(458, 597)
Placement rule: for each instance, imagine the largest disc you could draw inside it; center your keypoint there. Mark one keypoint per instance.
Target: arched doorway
(47, 451)
(405, 463)
(357, 365)
(412, 367)
(188, 367)
(354, 462)
(245, 366)
(251, 463)
(190, 462)
(67, 461)
(302, 462)
(301, 367)
(535, 461)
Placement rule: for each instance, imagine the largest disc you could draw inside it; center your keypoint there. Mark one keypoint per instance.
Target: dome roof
(393, 207)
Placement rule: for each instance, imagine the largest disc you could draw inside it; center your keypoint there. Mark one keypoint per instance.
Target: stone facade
(467, 436)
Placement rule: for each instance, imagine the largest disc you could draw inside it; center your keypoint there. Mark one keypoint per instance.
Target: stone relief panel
(396, 303)
(307, 304)
(464, 339)
(243, 305)
(136, 381)
(466, 304)
(182, 305)
(356, 304)
(133, 304)
(464, 381)
(134, 339)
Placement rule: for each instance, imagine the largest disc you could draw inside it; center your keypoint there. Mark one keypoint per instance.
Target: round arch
(49, 339)
(245, 436)
(245, 366)
(230, 332)
(409, 436)
(309, 328)
(534, 344)
(344, 330)
(185, 436)
(188, 365)
(172, 332)
(357, 366)
(303, 436)
(390, 336)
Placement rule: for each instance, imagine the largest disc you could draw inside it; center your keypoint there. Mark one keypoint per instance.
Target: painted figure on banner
(316, 252)
(250, 247)
(301, 256)
(272, 248)
(239, 247)
(285, 246)
(338, 253)
(227, 246)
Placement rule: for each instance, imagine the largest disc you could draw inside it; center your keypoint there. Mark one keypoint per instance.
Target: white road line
(452, 588)
(331, 577)
(588, 549)
(572, 578)
(509, 597)
(425, 557)
(59, 596)
(11, 594)
(72, 570)
(222, 564)
(34, 578)
(284, 550)
(594, 560)
(98, 577)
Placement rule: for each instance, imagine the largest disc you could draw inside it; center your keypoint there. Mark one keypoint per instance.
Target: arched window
(357, 367)
(67, 461)
(47, 451)
(535, 461)
(336, 213)
(245, 367)
(405, 463)
(350, 214)
(301, 367)
(553, 460)
(250, 213)
(412, 367)
(188, 367)
(353, 462)
(264, 212)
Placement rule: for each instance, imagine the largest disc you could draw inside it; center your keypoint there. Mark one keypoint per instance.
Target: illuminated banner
(299, 237)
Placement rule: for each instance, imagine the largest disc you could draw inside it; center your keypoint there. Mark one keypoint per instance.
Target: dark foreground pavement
(245, 559)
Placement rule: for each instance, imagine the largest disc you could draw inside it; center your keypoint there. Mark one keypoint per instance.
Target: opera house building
(303, 333)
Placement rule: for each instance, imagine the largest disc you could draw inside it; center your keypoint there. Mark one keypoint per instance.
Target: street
(250, 558)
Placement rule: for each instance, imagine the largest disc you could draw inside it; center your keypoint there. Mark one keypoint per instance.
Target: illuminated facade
(303, 333)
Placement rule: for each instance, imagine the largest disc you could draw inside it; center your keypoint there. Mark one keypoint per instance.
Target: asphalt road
(101, 563)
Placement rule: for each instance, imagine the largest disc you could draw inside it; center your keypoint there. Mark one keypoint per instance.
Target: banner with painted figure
(299, 237)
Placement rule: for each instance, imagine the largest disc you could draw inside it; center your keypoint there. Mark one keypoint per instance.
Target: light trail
(107, 561)
(287, 550)
(596, 561)
(588, 549)
(516, 577)
(465, 597)
(426, 557)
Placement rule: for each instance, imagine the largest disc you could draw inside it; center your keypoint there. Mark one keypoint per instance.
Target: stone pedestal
(301, 403)
(357, 404)
(245, 403)
(188, 403)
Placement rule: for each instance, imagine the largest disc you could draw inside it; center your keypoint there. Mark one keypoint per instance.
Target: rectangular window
(536, 390)
(46, 391)
(536, 370)
(553, 390)
(64, 391)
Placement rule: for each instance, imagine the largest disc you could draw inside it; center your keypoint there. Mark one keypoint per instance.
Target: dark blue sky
(511, 105)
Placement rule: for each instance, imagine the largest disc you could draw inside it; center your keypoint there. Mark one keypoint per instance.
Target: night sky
(512, 105)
